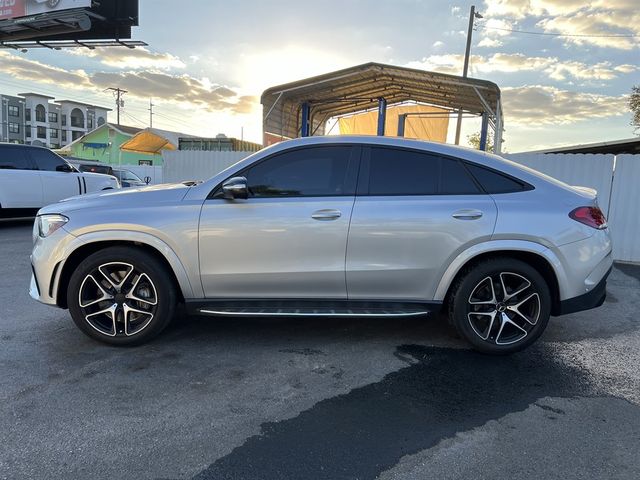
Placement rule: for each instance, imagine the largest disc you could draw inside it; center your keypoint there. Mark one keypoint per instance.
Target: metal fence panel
(584, 170)
(624, 216)
(182, 165)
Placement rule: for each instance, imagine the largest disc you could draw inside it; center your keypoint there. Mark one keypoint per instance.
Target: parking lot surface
(316, 398)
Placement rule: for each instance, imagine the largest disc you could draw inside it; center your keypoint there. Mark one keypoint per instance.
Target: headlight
(49, 223)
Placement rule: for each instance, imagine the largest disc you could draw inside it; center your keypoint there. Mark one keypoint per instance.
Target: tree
(474, 141)
(634, 105)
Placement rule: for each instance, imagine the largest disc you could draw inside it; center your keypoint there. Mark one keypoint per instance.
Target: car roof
(22, 145)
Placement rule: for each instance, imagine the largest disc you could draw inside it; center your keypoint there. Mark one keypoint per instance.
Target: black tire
(148, 311)
(472, 315)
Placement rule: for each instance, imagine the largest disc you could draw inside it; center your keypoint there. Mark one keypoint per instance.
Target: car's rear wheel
(500, 305)
(121, 296)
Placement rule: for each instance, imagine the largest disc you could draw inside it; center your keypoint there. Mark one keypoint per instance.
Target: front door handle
(467, 214)
(326, 214)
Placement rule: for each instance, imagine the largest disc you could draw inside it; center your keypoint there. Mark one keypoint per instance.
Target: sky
(208, 61)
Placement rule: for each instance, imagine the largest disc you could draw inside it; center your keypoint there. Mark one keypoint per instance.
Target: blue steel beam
(304, 130)
(382, 115)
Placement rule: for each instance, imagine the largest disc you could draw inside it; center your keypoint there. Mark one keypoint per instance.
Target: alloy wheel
(117, 299)
(503, 308)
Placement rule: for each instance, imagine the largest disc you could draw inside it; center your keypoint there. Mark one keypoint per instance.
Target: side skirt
(310, 308)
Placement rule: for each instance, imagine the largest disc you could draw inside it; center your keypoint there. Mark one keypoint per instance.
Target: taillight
(590, 216)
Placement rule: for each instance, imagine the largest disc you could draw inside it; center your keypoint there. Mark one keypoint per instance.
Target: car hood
(152, 195)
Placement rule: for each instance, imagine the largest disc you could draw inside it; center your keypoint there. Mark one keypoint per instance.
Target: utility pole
(118, 92)
(472, 16)
(151, 105)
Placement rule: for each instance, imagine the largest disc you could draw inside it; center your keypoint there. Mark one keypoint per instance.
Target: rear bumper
(592, 299)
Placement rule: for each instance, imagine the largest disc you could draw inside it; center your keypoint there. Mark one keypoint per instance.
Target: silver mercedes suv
(331, 226)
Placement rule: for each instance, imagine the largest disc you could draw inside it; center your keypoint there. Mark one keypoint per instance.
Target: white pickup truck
(32, 177)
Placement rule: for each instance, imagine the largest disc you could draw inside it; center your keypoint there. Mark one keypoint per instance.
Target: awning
(151, 142)
(361, 88)
(423, 122)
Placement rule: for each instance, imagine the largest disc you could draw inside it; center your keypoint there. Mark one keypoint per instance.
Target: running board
(252, 308)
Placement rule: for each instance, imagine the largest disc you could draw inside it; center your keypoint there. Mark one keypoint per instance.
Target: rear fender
(503, 246)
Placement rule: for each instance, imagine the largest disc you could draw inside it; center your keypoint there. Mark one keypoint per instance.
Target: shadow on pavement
(365, 432)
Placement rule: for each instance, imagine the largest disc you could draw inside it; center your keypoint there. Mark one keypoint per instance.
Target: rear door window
(14, 158)
(394, 171)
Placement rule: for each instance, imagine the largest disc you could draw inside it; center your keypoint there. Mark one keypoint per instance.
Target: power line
(622, 35)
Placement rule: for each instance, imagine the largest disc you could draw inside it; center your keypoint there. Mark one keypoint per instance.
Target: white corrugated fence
(182, 165)
(616, 179)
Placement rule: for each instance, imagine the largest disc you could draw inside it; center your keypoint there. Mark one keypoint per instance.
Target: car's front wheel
(121, 296)
(500, 305)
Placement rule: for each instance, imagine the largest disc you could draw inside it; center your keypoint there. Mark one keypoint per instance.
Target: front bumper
(46, 258)
(592, 299)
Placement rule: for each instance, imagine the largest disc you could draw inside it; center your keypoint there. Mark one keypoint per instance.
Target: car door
(20, 184)
(414, 212)
(288, 239)
(58, 180)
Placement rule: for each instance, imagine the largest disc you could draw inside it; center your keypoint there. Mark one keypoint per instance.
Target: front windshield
(127, 176)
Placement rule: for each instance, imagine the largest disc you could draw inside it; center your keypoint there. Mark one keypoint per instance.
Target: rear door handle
(326, 214)
(467, 214)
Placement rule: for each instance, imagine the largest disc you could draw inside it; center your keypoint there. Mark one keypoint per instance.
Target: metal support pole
(304, 130)
(497, 137)
(465, 68)
(402, 119)
(484, 131)
(382, 115)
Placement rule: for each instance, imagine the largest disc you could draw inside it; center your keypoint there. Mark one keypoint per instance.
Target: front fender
(185, 283)
(500, 246)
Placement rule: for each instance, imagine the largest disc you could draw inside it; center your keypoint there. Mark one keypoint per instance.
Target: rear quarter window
(496, 182)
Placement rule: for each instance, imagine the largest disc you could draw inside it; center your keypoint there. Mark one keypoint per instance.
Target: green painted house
(103, 145)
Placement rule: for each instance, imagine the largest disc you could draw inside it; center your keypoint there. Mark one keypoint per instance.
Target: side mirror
(235, 187)
(147, 180)
(65, 167)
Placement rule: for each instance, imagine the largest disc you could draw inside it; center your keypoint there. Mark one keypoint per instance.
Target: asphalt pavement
(314, 398)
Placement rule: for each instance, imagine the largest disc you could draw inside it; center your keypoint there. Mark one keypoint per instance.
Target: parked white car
(32, 177)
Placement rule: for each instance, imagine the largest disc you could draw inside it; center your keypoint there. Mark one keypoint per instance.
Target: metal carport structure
(302, 108)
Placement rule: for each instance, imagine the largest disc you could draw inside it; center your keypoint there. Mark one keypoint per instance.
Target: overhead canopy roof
(151, 141)
(359, 88)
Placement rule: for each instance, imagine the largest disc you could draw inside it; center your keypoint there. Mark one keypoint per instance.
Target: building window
(53, 133)
(100, 121)
(64, 120)
(27, 114)
(14, 111)
(76, 135)
(41, 114)
(90, 123)
(77, 118)
(64, 135)
(14, 127)
(42, 132)
(27, 131)
(53, 117)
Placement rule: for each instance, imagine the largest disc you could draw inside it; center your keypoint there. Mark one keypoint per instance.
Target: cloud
(162, 86)
(438, 44)
(575, 17)
(136, 58)
(536, 105)
(517, 62)
(31, 70)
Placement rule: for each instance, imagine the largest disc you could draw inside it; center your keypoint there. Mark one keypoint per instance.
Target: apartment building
(36, 119)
